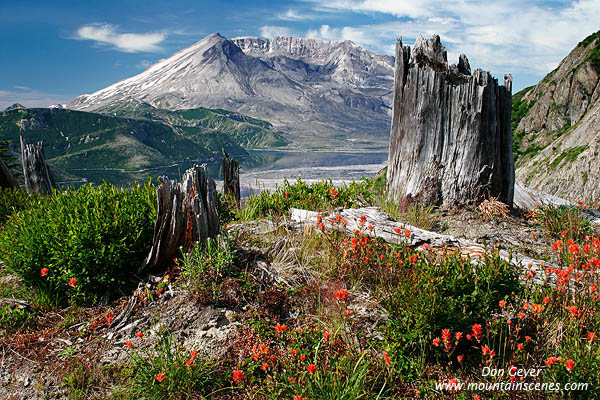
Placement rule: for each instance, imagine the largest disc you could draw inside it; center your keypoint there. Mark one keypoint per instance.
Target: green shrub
(313, 363)
(169, 372)
(14, 200)
(447, 293)
(13, 318)
(86, 241)
(319, 196)
(205, 268)
(570, 220)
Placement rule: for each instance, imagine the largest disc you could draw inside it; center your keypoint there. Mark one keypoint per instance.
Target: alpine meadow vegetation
(306, 312)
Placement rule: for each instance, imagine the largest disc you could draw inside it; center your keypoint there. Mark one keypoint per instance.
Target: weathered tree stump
(36, 172)
(231, 177)
(187, 213)
(451, 140)
(7, 180)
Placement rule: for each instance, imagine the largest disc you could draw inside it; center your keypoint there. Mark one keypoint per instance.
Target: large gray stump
(231, 177)
(187, 213)
(36, 172)
(451, 140)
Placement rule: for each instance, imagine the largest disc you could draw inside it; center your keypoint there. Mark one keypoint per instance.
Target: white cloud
(274, 31)
(519, 36)
(106, 34)
(144, 64)
(292, 15)
(411, 8)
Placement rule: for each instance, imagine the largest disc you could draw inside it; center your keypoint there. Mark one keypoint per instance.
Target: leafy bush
(319, 196)
(169, 372)
(564, 222)
(13, 318)
(448, 293)
(313, 363)
(205, 268)
(14, 200)
(81, 243)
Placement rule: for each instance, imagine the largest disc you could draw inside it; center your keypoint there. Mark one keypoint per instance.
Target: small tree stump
(187, 213)
(7, 180)
(451, 140)
(231, 177)
(36, 172)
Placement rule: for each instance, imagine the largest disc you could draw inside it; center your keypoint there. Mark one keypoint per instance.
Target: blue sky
(52, 51)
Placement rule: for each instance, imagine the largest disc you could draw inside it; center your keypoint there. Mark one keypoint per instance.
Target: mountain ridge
(138, 138)
(324, 93)
(557, 127)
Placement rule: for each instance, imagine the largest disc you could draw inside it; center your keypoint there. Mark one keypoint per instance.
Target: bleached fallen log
(21, 304)
(187, 213)
(384, 227)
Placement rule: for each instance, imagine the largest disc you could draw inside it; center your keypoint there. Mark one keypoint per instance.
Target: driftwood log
(187, 213)
(231, 177)
(385, 228)
(450, 140)
(36, 172)
(7, 180)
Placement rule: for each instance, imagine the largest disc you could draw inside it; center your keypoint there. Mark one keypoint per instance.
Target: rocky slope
(319, 92)
(556, 127)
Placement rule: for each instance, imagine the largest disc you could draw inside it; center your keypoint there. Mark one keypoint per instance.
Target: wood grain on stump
(36, 172)
(451, 139)
(231, 178)
(187, 213)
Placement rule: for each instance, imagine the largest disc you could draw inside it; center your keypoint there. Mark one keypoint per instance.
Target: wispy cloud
(108, 35)
(293, 15)
(270, 32)
(144, 64)
(509, 36)
(31, 97)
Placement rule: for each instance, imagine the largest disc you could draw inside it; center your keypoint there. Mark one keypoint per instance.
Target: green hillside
(84, 144)
(250, 133)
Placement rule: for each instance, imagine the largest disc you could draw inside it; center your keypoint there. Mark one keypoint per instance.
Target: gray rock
(561, 130)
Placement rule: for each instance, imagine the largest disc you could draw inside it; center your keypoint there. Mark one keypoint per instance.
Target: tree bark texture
(451, 139)
(187, 213)
(36, 172)
(231, 177)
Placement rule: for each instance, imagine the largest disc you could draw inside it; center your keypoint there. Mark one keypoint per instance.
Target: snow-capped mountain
(318, 92)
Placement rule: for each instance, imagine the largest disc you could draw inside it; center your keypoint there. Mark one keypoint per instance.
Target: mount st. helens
(324, 93)
(556, 127)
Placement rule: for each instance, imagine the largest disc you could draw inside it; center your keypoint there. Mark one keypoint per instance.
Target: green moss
(585, 177)
(594, 57)
(588, 40)
(560, 132)
(520, 107)
(568, 155)
(532, 151)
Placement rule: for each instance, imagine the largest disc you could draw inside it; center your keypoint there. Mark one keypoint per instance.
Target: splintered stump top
(451, 139)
